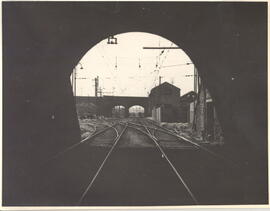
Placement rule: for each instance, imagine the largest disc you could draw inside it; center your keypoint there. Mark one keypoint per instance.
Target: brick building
(164, 102)
(185, 114)
(167, 105)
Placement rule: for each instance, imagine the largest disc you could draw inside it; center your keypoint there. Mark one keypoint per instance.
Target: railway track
(117, 163)
(115, 141)
(148, 134)
(87, 139)
(155, 127)
(155, 140)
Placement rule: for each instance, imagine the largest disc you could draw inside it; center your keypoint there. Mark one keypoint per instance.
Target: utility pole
(160, 79)
(96, 86)
(96, 94)
(195, 80)
(74, 82)
(74, 77)
(196, 77)
(100, 92)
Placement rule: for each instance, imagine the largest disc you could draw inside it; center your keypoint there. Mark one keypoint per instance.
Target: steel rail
(167, 159)
(101, 166)
(172, 166)
(92, 125)
(194, 143)
(164, 130)
(79, 143)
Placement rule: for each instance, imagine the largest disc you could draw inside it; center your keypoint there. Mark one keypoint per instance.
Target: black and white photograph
(134, 103)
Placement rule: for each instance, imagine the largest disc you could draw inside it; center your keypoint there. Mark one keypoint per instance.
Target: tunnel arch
(198, 56)
(118, 111)
(136, 111)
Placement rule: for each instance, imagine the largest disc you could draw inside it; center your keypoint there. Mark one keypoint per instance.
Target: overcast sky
(126, 69)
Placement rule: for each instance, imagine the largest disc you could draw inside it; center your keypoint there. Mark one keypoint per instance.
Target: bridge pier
(126, 112)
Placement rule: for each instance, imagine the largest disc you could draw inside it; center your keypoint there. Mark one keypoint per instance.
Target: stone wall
(201, 122)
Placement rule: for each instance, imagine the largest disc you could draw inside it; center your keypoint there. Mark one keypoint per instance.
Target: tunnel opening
(118, 111)
(136, 111)
(148, 69)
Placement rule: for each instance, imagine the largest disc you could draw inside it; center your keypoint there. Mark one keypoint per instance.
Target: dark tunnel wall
(43, 41)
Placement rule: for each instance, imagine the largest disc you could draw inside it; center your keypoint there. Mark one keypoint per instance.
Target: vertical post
(159, 80)
(96, 86)
(205, 121)
(96, 96)
(196, 80)
(74, 82)
(97, 82)
(194, 77)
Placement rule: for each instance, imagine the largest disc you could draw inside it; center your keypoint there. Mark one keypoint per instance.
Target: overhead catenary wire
(107, 61)
(159, 64)
(143, 63)
(177, 65)
(165, 57)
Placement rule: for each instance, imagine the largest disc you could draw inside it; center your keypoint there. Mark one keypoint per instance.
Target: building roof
(188, 97)
(164, 84)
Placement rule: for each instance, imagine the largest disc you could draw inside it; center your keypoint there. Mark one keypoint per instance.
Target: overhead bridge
(105, 104)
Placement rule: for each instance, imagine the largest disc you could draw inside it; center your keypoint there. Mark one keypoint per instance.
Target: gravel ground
(88, 126)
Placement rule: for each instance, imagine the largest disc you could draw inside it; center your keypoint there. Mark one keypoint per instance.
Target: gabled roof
(188, 97)
(164, 84)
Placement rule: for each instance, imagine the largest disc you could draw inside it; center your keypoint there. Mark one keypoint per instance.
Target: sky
(126, 69)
